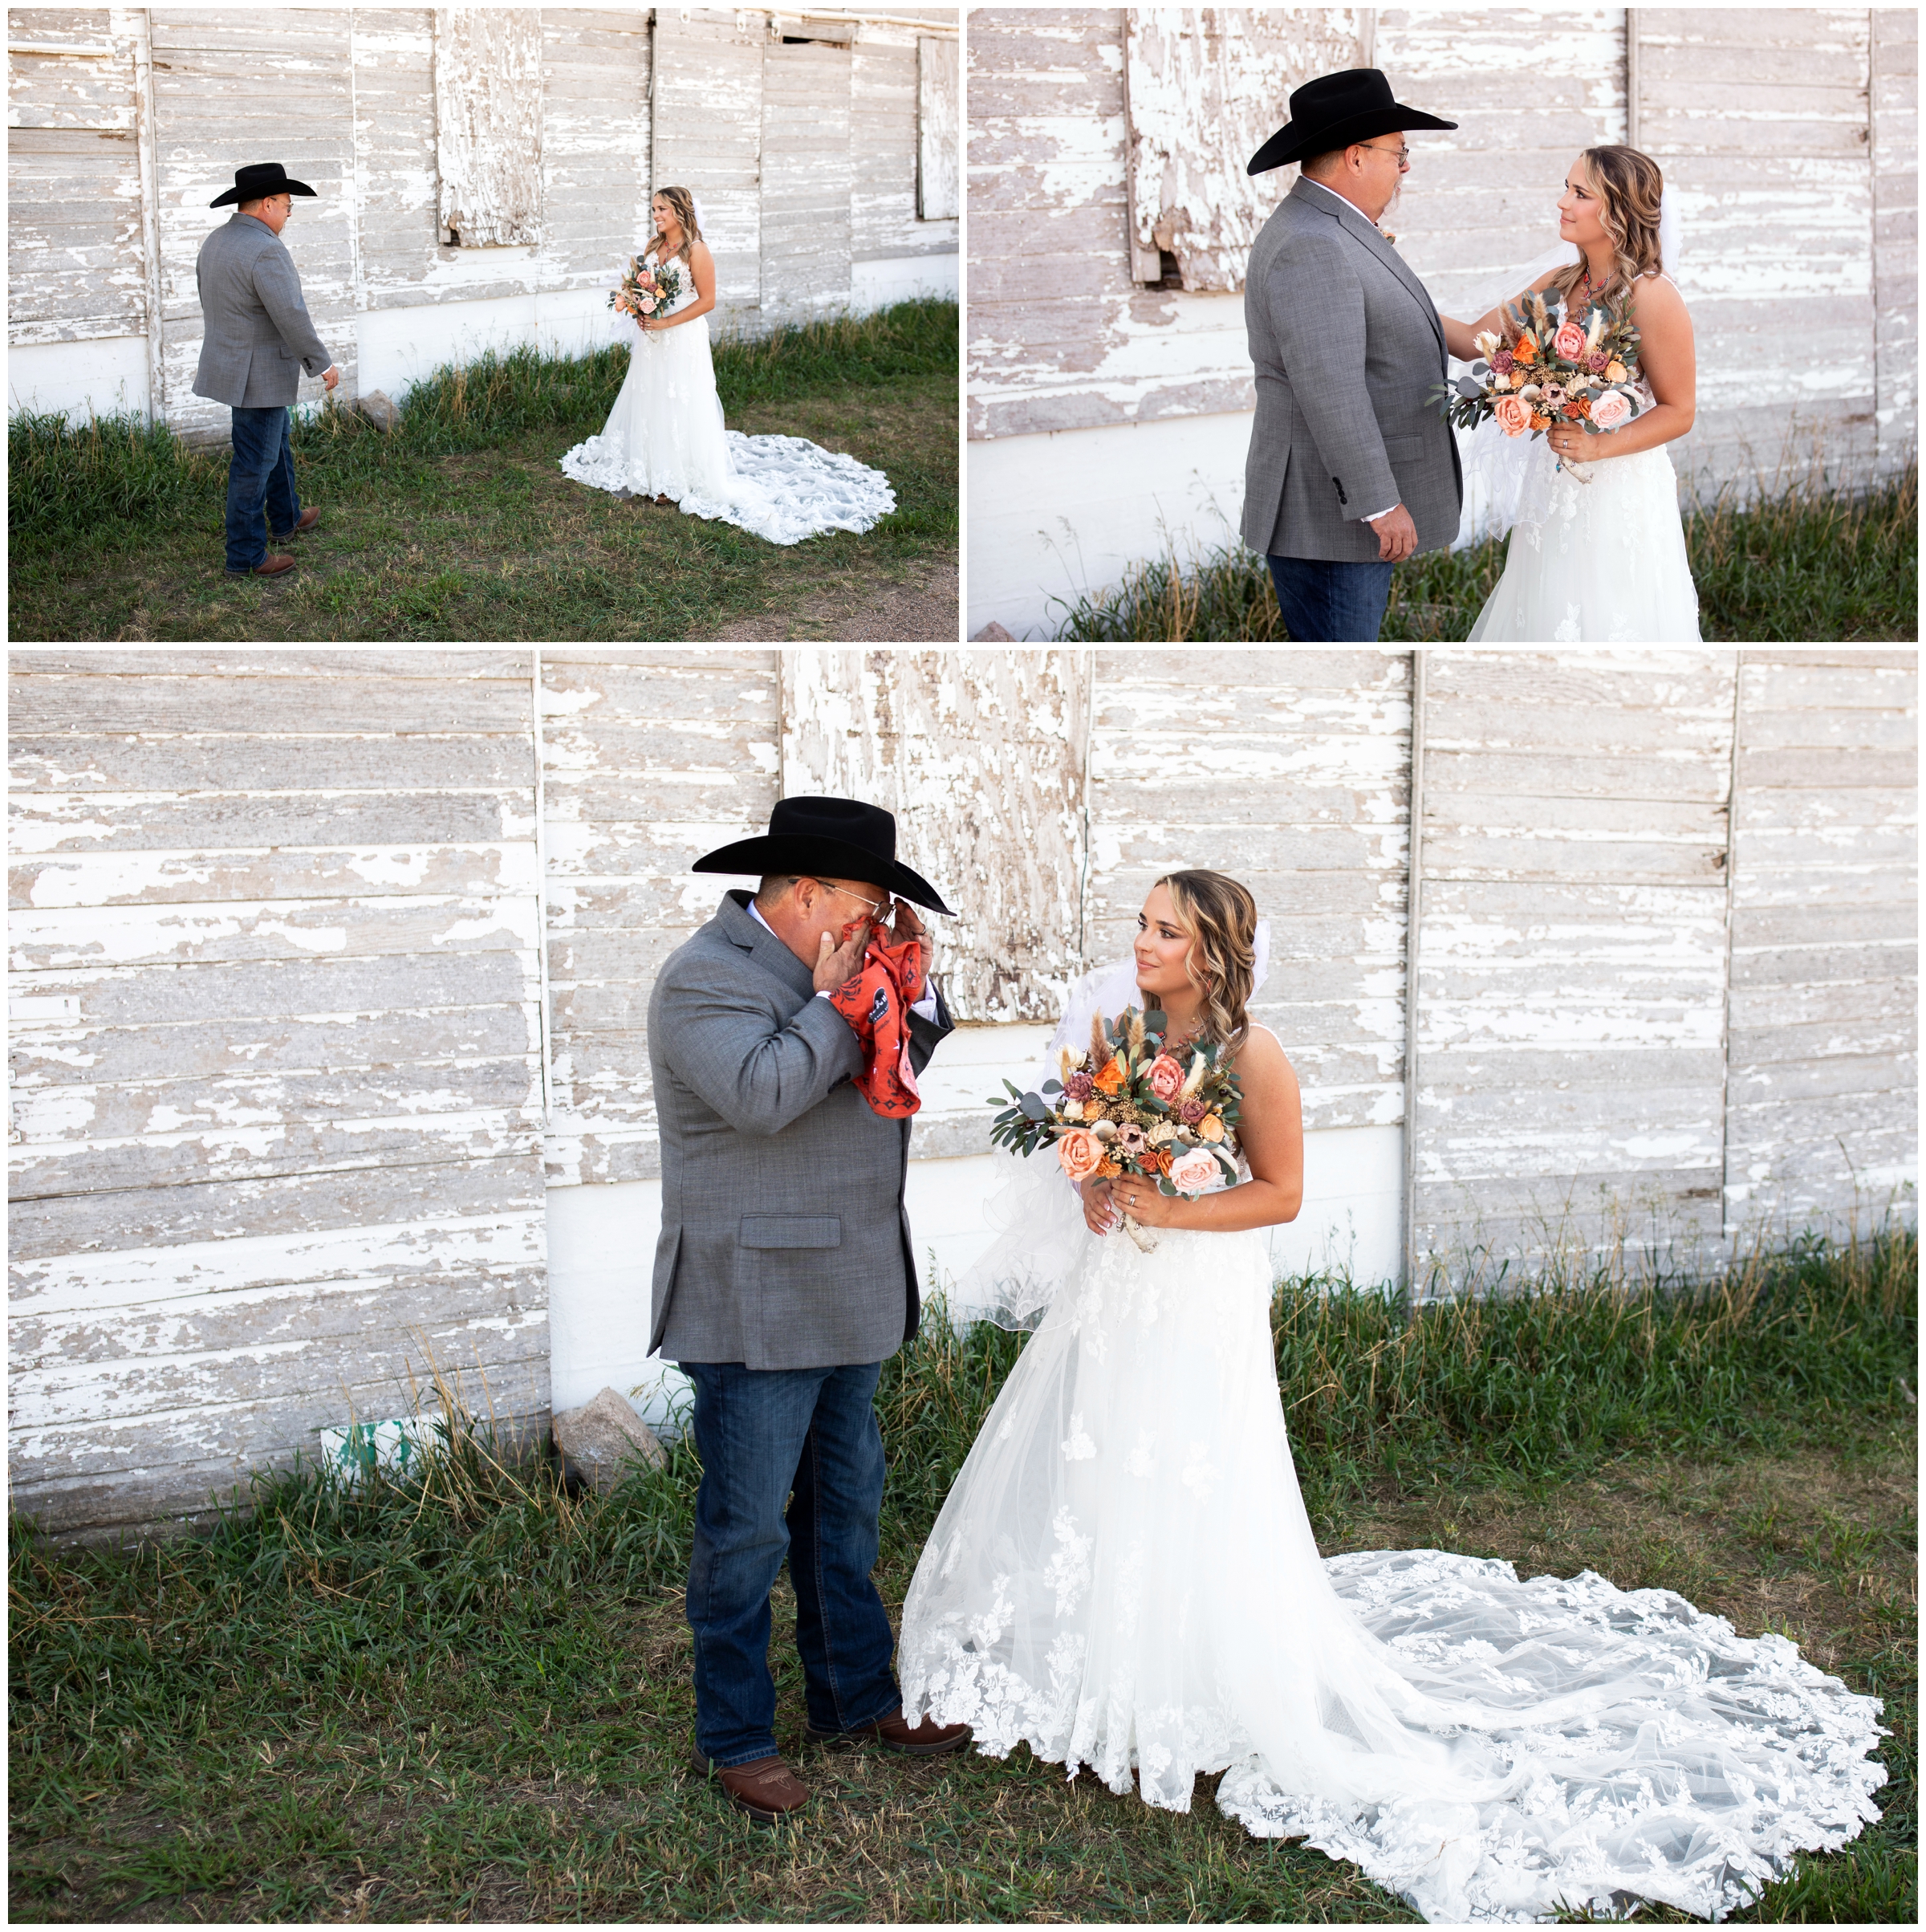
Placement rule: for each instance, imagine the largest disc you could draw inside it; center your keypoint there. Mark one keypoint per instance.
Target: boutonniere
(1388, 236)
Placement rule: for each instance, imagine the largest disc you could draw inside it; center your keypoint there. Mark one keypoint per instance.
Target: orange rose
(1112, 1078)
(1540, 422)
(1579, 405)
(1080, 1154)
(1526, 348)
(1108, 1168)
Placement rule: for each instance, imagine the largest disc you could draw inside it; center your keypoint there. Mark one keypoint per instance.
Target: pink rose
(1079, 1086)
(1611, 409)
(1079, 1153)
(1166, 1076)
(1504, 362)
(1192, 1111)
(1195, 1172)
(1514, 415)
(1569, 343)
(1595, 363)
(649, 305)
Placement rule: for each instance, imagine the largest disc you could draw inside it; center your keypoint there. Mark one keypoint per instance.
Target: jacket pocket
(792, 1231)
(1404, 449)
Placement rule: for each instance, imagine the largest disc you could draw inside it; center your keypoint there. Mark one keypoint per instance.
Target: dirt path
(920, 606)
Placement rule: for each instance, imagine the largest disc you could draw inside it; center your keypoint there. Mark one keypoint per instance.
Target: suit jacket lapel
(740, 927)
(1354, 221)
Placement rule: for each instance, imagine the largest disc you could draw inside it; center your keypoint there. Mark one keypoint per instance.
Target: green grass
(458, 525)
(468, 1696)
(1804, 563)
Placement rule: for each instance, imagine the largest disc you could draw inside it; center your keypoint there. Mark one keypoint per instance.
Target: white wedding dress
(665, 438)
(1598, 553)
(1124, 1576)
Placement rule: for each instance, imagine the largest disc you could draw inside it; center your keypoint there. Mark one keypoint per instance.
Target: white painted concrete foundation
(107, 377)
(1055, 515)
(602, 1246)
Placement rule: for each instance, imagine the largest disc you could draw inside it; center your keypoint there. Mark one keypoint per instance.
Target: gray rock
(993, 632)
(604, 1439)
(379, 410)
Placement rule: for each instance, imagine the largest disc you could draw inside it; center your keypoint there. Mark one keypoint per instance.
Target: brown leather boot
(926, 1739)
(764, 1788)
(269, 566)
(309, 519)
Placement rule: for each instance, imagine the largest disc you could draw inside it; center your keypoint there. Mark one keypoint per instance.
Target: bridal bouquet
(645, 289)
(1128, 1106)
(1547, 367)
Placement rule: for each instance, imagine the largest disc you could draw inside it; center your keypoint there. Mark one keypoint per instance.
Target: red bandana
(876, 1004)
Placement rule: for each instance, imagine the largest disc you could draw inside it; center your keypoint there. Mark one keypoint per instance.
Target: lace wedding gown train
(1124, 1576)
(665, 438)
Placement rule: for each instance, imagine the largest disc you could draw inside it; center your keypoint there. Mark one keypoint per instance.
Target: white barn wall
(114, 158)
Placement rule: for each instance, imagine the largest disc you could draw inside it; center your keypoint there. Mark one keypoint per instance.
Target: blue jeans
(762, 1433)
(260, 476)
(1330, 602)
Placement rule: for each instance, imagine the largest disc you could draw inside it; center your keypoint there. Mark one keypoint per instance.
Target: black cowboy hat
(840, 837)
(257, 182)
(1334, 111)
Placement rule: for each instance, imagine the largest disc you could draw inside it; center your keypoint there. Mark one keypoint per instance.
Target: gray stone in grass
(993, 632)
(602, 1440)
(379, 410)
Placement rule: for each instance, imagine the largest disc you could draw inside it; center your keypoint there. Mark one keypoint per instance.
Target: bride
(665, 439)
(1123, 1575)
(1598, 554)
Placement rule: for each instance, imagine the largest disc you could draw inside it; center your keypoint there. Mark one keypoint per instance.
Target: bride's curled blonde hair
(684, 205)
(1221, 918)
(1629, 186)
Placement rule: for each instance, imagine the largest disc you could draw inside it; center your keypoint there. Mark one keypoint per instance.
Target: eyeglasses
(876, 908)
(1403, 153)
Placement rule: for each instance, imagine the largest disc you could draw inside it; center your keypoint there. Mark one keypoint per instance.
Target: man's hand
(907, 925)
(836, 965)
(1397, 535)
(331, 375)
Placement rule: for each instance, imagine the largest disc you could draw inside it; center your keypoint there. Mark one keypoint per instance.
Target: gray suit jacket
(784, 1243)
(1347, 344)
(257, 337)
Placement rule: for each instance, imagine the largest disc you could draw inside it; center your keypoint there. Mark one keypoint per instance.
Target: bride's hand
(1572, 445)
(1144, 1201)
(1099, 1215)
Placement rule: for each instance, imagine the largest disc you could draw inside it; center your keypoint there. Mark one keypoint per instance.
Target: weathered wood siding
(1896, 232)
(980, 754)
(1290, 770)
(1822, 1124)
(275, 1023)
(488, 124)
(806, 179)
(1202, 87)
(938, 117)
(1759, 118)
(650, 758)
(1060, 337)
(1571, 962)
(74, 256)
(886, 133)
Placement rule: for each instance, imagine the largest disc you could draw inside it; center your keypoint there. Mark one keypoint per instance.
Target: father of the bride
(256, 340)
(784, 1276)
(1352, 467)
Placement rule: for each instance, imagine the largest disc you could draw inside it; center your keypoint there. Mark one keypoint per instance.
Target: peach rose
(1614, 371)
(1210, 1128)
(1611, 409)
(1195, 1172)
(1080, 1154)
(1569, 343)
(1514, 415)
(1166, 1077)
